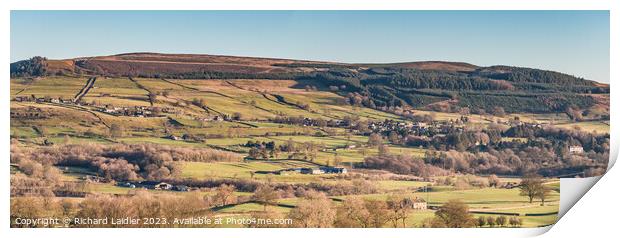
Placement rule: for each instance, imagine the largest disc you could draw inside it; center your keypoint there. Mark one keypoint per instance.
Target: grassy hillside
(431, 130)
(445, 86)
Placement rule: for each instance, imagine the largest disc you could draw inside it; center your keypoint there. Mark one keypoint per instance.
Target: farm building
(180, 188)
(311, 171)
(333, 170)
(155, 185)
(418, 203)
(172, 137)
(21, 98)
(575, 149)
(126, 184)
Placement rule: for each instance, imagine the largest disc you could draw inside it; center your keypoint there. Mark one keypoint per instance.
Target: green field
(248, 170)
(257, 103)
(594, 126)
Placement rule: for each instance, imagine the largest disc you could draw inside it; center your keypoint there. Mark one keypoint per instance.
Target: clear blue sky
(573, 42)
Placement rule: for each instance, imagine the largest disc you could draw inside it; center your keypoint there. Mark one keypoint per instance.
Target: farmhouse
(172, 137)
(96, 179)
(126, 184)
(575, 149)
(155, 185)
(22, 99)
(333, 170)
(417, 203)
(311, 171)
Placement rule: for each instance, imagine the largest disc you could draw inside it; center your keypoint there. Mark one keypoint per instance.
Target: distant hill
(436, 85)
(155, 63)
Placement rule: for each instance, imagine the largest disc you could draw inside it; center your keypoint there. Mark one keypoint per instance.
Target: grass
(256, 109)
(511, 139)
(65, 87)
(253, 207)
(394, 184)
(487, 199)
(590, 126)
(538, 221)
(243, 170)
(162, 141)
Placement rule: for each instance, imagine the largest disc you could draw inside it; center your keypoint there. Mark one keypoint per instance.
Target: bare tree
(491, 221)
(501, 220)
(494, 181)
(481, 221)
(531, 186)
(400, 208)
(314, 211)
(223, 193)
(266, 195)
(454, 214)
(543, 193)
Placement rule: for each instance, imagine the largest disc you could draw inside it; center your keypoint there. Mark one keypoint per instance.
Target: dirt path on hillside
(89, 84)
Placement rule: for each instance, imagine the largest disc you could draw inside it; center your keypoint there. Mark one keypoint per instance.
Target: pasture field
(590, 126)
(417, 217)
(253, 207)
(241, 170)
(257, 104)
(63, 87)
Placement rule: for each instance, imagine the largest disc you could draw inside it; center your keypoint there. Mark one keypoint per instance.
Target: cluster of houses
(514, 123)
(214, 118)
(136, 111)
(306, 121)
(155, 185)
(416, 128)
(308, 170)
(332, 123)
(42, 99)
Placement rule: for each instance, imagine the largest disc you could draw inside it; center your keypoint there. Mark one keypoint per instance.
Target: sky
(572, 42)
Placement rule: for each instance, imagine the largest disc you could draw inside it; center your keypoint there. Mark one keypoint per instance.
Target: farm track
(89, 84)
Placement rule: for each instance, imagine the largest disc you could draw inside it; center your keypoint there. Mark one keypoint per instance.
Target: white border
(571, 224)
